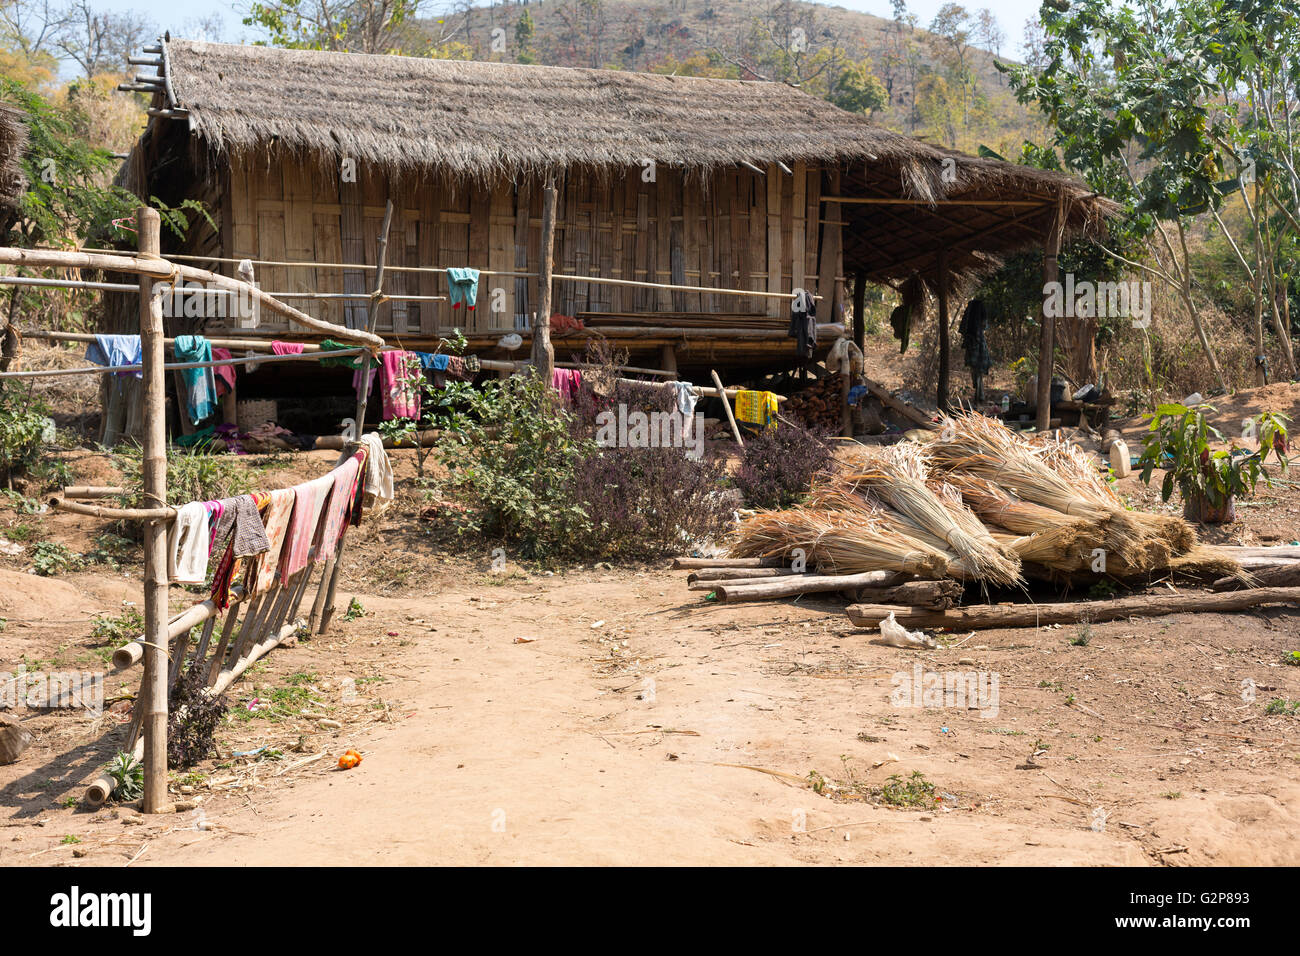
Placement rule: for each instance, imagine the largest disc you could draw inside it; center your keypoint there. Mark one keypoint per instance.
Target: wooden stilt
(153, 689)
(941, 290)
(726, 406)
(543, 352)
(859, 310)
(1046, 332)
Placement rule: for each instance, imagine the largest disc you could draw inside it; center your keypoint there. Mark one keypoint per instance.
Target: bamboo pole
(218, 659)
(92, 491)
(1037, 615)
(543, 351)
(157, 268)
(726, 406)
(153, 690)
(944, 379)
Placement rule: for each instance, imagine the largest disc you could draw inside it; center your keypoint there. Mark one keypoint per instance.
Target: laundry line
(439, 270)
(215, 363)
(42, 282)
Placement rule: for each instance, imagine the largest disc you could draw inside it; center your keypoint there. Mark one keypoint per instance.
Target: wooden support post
(153, 688)
(543, 352)
(1046, 332)
(941, 290)
(726, 407)
(846, 413)
(668, 359)
(859, 310)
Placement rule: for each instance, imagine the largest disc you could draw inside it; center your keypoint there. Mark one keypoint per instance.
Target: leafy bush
(515, 458)
(24, 427)
(778, 464)
(534, 475)
(127, 774)
(49, 559)
(191, 475)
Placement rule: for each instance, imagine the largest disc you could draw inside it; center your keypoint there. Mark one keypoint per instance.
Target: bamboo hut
(669, 187)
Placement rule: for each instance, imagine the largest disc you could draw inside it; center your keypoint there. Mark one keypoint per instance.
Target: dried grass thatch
(837, 540)
(13, 141)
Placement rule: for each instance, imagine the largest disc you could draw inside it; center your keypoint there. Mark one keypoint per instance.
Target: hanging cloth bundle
(803, 324)
(462, 287)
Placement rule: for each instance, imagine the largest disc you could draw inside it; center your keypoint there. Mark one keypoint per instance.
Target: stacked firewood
(818, 405)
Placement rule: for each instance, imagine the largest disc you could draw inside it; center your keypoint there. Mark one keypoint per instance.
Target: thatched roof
(487, 120)
(13, 140)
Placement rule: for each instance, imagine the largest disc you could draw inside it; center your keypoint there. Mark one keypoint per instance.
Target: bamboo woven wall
(724, 232)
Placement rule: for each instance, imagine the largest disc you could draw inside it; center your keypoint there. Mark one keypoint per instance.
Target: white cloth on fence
(379, 473)
(188, 542)
(844, 356)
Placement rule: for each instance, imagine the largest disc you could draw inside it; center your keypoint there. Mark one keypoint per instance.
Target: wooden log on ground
(695, 564)
(731, 592)
(1251, 558)
(935, 595)
(1037, 615)
(729, 574)
(1277, 576)
(914, 415)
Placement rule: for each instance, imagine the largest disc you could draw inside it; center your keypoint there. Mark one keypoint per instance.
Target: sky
(175, 14)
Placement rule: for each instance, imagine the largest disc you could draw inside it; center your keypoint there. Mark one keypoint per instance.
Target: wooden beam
(887, 201)
(543, 351)
(1046, 363)
(944, 382)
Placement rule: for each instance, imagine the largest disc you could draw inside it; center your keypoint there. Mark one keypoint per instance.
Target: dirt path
(568, 750)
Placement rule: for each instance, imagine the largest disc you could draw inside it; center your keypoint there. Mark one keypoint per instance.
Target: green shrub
(24, 427)
(49, 559)
(191, 476)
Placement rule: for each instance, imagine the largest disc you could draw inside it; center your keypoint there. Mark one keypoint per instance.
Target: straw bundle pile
(978, 503)
(843, 541)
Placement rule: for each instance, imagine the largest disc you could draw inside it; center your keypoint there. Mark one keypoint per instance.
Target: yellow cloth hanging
(756, 408)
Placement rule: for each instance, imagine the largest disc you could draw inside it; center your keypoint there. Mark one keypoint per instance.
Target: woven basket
(253, 412)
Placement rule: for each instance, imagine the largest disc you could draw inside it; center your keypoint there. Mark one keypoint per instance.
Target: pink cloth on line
(340, 505)
(287, 348)
(566, 381)
(400, 376)
(262, 569)
(308, 501)
(225, 374)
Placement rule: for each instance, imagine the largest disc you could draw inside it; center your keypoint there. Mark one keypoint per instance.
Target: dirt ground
(607, 715)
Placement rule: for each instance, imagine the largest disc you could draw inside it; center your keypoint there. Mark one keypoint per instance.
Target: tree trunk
(543, 352)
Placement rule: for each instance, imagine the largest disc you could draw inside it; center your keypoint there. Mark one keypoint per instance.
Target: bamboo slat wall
(724, 232)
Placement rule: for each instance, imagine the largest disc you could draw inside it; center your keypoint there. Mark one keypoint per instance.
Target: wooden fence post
(1046, 333)
(543, 352)
(153, 689)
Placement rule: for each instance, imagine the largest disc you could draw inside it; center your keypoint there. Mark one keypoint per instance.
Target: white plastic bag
(894, 634)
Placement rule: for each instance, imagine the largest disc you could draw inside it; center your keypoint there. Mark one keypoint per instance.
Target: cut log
(13, 741)
(694, 564)
(907, 411)
(1035, 615)
(935, 595)
(1277, 576)
(733, 592)
(729, 574)
(1252, 559)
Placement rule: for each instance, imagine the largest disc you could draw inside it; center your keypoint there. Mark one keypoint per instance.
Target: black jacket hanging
(803, 325)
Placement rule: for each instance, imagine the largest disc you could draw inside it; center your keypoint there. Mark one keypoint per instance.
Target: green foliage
(355, 611)
(119, 629)
(858, 90)
(127, 774)
(24, 427)
(50, 558)
(1179, 441)
(515, 457)
(1280, 706)
(191, 475)
(64, 196)
(915, 791)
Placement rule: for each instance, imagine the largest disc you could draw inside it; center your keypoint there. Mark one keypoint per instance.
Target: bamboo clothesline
(94, 286)
(213, 363)
(598, 280)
